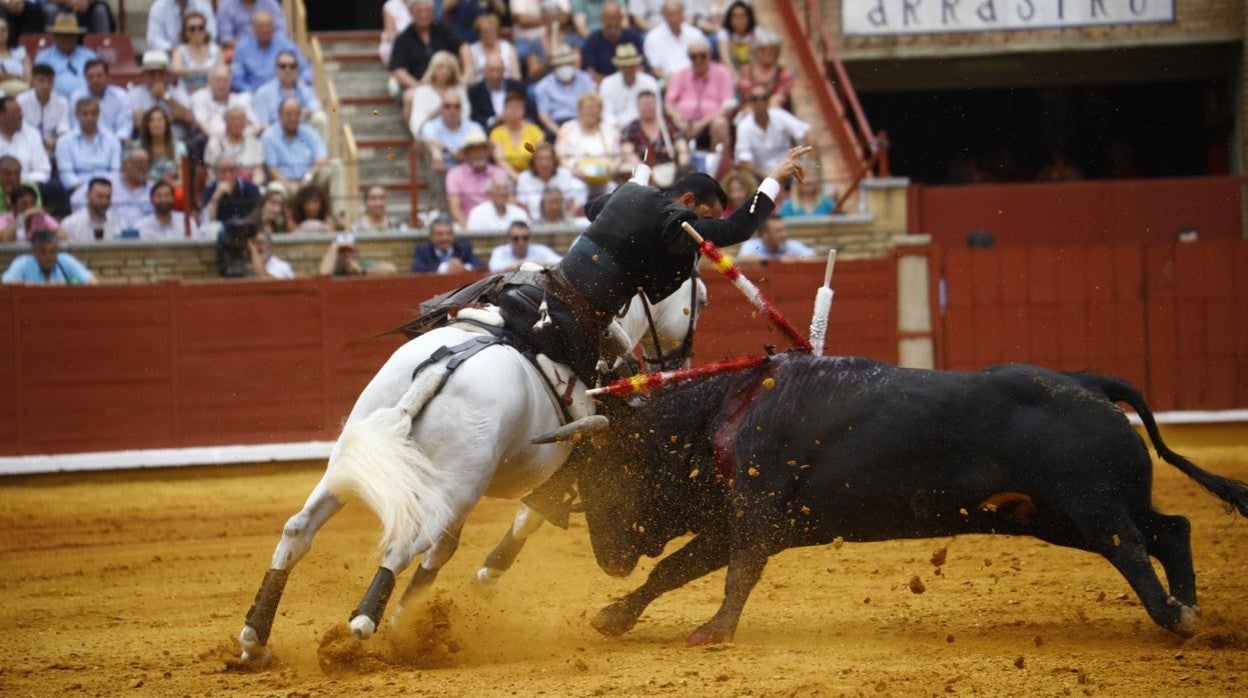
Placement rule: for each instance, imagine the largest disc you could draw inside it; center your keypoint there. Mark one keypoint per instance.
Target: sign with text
(894, 17)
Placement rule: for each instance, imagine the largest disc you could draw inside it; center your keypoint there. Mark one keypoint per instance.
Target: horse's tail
(379, 462)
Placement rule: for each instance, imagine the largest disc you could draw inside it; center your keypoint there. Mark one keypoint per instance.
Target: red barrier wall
(109, 368)
(1167, 317)
(1096, 212)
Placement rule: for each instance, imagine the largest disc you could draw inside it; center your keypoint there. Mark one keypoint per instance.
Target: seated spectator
(272, 216)
(22, 142)
(520, 249)
(513, 137)
(155, 91)
(10, 178)
(415, 47)
(116, 112)
(590, 146)
(555, 213)
(86, 151)
(668, 45)
(650, 133)
(497, 212)
(528, 35)
(164, 223)
(447, 133)
(132, 192)
(487, 98)
(394, 19)
(766, 134)
(256, 55)
(294, 154)
(96, 222)
(196, 54)
(243, 148)
(739, 185)
(44, 109)
(700, 98)
(165, 21)
(646, 14)
(375, 218)
(773, 244)
(558, 93)
(235, 19)
(26, 217)
(312, 211)
(342, 258)
(27, 17)
(444, 254)
(602, 47)
(489, 43)
(806, 199)
(163, 151)
(47, 265)
(545, 173)
(735, 40)
(765, 70)
(620, 90)
(468, 182)
(271, 266)
(208, 105)
(14, 64)
(67, 59)
(229, 196)
(94, 15)
(441, 77)
(286, 85)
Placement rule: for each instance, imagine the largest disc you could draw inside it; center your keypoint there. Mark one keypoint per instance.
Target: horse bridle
(685, 352)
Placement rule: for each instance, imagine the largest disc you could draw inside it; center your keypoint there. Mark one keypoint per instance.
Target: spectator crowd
(525, 109)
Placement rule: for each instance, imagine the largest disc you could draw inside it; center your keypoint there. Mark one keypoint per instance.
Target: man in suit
(443, 254)
(486, 97)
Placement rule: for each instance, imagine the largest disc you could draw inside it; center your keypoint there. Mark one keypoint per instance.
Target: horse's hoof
(1189, 620)
(614, 620)
(703, 636)
(363, 627)
(487, 581)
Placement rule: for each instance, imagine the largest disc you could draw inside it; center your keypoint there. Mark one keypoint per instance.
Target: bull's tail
(379, 463)
(1233, 492)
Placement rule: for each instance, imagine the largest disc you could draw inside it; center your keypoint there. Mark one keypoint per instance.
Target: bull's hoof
(706, 635)
(363, 627)
(614, 620)
(1189, 620)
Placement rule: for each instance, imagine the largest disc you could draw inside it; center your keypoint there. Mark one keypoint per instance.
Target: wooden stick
(827, 272)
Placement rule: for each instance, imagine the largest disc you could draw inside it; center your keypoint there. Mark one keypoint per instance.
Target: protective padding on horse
(260, 615)
(377, 596)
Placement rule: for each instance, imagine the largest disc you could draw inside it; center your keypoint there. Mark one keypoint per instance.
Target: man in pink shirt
(468, 183)
(701, 97)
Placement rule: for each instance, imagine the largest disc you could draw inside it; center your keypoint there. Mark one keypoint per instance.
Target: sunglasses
(698, 56)
(758, 98)
(451, 105)
(519, 238)
(287, 66)
(195, 28)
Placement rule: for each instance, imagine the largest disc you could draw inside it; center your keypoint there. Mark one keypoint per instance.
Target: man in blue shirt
(255, 56)
(66, 58)
(234, 18)
(287, 85)
(599, 46)
(293, 153)
(46, 264)
(773, 244)
(164, 22)
(116, 114)
(87, 152)
(558, 92)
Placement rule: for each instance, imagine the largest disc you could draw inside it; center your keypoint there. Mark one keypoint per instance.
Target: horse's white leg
(504, 554)
(296, 540)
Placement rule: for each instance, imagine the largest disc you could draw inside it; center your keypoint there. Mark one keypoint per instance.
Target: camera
(233, 257)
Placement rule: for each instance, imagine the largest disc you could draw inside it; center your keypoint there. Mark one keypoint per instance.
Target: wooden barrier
(1167, 317)
(172, 365)
(1108, 211)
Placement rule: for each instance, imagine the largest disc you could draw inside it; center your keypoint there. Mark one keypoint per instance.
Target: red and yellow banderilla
(644, 384)
(729, 268)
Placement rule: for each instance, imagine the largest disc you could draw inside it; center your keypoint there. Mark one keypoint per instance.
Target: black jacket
(636, 241)
(413, 54)
(483, 108)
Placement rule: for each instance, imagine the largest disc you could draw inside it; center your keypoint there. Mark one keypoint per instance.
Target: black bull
(851, 448)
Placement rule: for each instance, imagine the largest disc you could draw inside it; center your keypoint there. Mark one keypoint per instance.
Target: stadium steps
(384, 143)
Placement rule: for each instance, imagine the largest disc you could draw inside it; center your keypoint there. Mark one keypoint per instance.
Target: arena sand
(137, 583)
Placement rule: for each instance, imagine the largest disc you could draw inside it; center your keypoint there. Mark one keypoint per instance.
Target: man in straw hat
(66, 58)
(155, 91)
(468, 183)
(557, 94)
(620, 91)
(600, 47)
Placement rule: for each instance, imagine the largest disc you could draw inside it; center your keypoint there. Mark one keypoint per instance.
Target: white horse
(420, 452)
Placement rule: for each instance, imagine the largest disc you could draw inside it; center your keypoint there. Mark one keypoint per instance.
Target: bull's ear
(585, 426)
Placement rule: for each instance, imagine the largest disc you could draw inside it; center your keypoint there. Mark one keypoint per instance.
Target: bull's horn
(592, 424)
